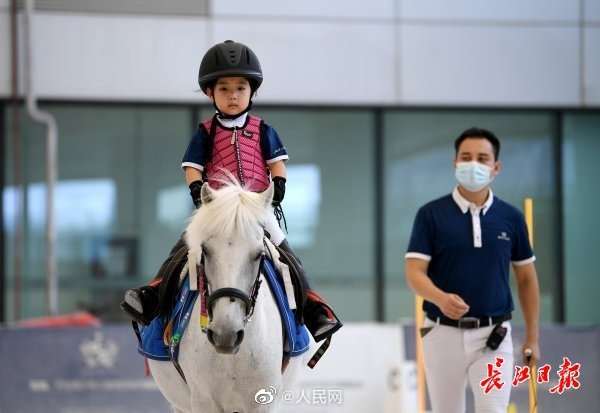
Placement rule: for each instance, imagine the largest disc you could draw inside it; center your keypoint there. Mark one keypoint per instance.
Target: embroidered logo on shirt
(503, 236)
(247, 134)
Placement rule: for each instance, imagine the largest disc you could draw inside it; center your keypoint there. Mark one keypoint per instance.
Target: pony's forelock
(232, 211)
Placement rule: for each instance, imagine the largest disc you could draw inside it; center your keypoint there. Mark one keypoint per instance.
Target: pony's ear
(268, 195)
(206, 194)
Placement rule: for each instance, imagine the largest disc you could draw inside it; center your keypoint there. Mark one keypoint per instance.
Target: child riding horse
(233, 142)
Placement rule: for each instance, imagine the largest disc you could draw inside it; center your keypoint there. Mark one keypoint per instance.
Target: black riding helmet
(229, 59)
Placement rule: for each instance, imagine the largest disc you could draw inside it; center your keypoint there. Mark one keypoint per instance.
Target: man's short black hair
(479, 133)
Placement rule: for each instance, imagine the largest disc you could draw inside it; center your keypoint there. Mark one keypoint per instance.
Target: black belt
(470, 322)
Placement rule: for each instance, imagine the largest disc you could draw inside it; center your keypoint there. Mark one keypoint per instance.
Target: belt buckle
(468, 322)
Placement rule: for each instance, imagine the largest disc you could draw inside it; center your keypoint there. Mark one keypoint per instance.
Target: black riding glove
(279, 188)
(195, 193)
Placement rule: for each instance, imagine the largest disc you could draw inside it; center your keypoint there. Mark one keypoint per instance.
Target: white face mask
(473, 176)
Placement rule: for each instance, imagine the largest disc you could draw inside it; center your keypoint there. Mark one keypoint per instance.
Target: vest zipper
(238, 158)
(234, 136)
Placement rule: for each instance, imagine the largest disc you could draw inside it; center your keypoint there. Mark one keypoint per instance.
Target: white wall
(103, 57)
(364, 362)
(492, 65)
(424, 52)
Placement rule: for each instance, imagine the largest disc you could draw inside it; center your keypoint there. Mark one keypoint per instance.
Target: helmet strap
(237, 115)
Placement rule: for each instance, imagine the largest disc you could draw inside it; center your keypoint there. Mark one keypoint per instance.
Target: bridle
(208, 299)
(249, 299)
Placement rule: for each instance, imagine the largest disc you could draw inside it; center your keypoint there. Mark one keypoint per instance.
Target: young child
(245, 146)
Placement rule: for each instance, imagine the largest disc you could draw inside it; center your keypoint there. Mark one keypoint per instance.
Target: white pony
(236, 366)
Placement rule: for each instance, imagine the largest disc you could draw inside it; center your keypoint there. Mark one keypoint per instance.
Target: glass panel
(329, 202)
(419, 151)
(581, 171)
(117, 167)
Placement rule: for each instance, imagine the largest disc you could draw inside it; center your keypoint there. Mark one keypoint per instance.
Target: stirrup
(326, 328)
(321, 321)
(134, 314)
(133, 305)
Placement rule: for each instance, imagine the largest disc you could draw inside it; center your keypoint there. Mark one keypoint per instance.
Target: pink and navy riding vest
(238, 151)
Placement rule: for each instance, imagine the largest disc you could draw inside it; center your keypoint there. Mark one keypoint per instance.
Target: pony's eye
(258, 256)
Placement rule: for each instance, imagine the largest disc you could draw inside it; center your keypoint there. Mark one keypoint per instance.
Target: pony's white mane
(233, 211)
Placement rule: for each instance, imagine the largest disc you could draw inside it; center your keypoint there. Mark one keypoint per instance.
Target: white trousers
(455, 357)
(272, 227)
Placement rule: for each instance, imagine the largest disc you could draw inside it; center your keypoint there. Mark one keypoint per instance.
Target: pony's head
(227, 232)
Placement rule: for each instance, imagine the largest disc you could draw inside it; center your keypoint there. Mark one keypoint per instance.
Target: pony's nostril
(209, 335)
(240, 338)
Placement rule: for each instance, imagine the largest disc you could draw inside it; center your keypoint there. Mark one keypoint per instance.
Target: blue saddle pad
(151, 342)
(296, 342)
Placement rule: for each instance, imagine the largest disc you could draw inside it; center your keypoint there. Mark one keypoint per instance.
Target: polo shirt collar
(238, 122)
(465, 204)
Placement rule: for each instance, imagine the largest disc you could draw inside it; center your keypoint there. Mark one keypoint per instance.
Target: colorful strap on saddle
(203, 299)
(182, 319)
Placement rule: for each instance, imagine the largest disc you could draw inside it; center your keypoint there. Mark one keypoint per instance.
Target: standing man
(458, 260)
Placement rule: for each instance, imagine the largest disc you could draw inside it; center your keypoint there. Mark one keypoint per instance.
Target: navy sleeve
(195, 155)
(521, 248)
(421, 238)
(271, 146)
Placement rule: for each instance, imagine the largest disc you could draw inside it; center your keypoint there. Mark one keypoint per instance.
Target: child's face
(231, 94)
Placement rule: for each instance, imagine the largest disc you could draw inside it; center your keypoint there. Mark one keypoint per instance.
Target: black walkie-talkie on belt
(496, 337)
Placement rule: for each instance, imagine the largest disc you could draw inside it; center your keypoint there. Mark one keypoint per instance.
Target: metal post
(19, 198)
(2, 185)
(51, 167)
(379, 244)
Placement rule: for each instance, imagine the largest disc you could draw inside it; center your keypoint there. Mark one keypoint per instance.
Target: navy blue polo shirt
(470, 250)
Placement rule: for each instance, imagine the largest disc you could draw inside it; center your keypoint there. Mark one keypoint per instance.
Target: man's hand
(452, 306)
(530, 351)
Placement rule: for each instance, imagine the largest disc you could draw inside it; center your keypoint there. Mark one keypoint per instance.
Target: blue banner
(75, 370)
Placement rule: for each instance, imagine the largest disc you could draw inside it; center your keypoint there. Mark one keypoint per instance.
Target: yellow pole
(528, 212)
(419, 320)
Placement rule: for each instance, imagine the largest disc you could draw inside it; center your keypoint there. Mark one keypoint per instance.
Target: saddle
(161, 338)
(290, 269)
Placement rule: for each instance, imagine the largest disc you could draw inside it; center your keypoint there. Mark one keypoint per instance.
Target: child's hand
(195, 193)
(279, 190)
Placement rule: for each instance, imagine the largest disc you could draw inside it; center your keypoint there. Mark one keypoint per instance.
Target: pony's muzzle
(225, 343)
